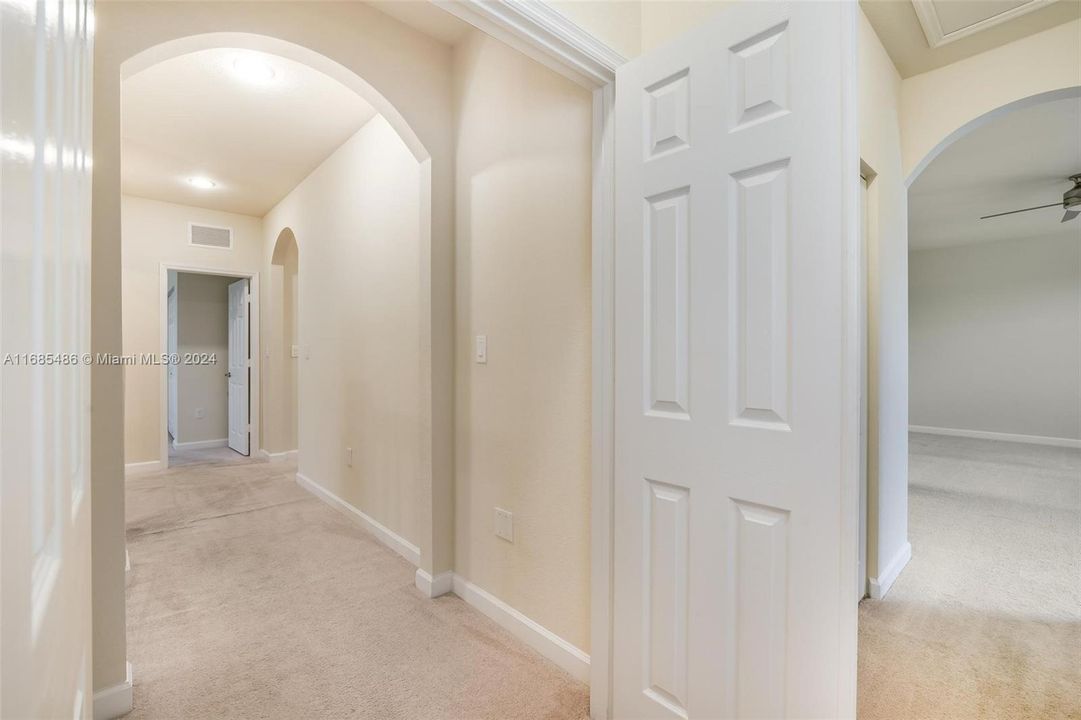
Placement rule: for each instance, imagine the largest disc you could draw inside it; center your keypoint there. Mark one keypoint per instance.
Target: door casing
(253, 336)
(550, 38)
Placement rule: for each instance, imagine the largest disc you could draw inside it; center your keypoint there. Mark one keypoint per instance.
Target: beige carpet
(248, 598)
(985, 622)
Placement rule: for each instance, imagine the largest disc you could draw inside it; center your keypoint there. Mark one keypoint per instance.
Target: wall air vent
(210, 236)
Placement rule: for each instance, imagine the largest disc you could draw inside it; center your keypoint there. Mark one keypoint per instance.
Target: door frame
(549, 37)
(163, 347)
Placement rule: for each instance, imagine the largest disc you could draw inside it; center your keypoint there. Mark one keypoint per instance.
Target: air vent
(210, 236)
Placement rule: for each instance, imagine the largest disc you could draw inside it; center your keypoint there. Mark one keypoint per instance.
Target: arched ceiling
(219, 114)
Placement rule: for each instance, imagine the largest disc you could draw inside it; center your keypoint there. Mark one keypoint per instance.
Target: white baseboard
(441, 584)
(201, 444)
(147, 466)
(547, 643)
(385, 535)
(288, 455)
(988, 435)
(881, 585)
(112, 702)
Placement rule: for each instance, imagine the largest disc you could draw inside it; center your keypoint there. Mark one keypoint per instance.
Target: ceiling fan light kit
(1071, 203)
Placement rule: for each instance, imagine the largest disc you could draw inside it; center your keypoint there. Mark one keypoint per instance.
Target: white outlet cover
(200, 413)
(295, 351)
(481, 354)
(504, 524)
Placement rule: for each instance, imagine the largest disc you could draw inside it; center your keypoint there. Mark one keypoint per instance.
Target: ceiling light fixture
(203, 183)
(253, 69)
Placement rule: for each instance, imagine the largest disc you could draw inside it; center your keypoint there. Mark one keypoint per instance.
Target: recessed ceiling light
(203, 183)
(253, 69)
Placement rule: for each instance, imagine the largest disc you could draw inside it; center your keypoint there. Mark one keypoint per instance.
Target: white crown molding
(544, 34)
(932, 27)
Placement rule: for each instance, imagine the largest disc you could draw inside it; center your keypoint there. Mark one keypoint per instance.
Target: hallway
(984, 621)
(247, 597)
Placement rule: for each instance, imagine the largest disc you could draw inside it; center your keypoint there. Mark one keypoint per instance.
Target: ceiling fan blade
(1070, 215)
(1013, 212)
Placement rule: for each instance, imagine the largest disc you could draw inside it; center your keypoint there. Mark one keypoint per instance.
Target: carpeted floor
(249, 598)
(985, 622)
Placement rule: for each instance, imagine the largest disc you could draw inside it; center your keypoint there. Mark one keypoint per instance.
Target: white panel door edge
(239, 364)
(733, 272)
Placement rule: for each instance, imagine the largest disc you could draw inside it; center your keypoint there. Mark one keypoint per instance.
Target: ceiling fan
(1071, 202)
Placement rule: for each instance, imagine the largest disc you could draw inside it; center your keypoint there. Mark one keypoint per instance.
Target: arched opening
(174, 33)
(991, 344)
(281, 407)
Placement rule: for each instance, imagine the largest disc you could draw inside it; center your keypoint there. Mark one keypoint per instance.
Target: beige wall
(356, 220)
(887, 306)
(632, 27)
(939, 103)
(523, 279)
(154, 233)
(996, 336)
(406, 75)
(202, 329)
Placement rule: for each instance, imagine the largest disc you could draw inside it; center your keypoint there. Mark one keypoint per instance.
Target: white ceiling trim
(544, 34)
(932, 26)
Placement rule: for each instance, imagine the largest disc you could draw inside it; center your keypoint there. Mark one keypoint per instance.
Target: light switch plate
(504, 524)
(349, 457)
(481, 351)
(295, 351)
(200, 413)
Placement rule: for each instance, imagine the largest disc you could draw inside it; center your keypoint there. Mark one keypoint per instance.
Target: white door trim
(163, 346)
(547, 36)
(550, 38)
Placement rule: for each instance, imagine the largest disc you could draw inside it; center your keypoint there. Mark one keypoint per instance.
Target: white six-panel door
(732, 586)
(238, 366)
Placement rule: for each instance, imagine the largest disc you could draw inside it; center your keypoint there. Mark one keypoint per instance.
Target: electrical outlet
(504, 524)
(349, 457)
(200, 413)
(295, 351)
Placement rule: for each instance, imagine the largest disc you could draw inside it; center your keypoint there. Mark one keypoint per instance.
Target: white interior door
(45, 616)
(172, 368)
(733, 565)
(239, 365)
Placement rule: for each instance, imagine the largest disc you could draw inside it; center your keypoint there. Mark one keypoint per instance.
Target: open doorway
(208, 345)
(988, 604)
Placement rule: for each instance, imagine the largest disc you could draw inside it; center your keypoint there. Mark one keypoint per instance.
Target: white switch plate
(200, 413)
(504, 524)
(349, 456)
(481, 353)
(296, 351)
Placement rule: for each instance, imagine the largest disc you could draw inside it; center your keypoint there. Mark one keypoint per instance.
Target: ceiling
(427, 17)
(898, 27)
(1019, 160)
(256, 137)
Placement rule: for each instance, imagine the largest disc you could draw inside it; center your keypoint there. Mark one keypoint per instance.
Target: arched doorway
(352, 44)
(281, 393)
(989, 303)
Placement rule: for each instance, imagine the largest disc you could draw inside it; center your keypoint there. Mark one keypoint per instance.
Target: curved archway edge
(283, 48)
(981, 120)
(407, 77)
